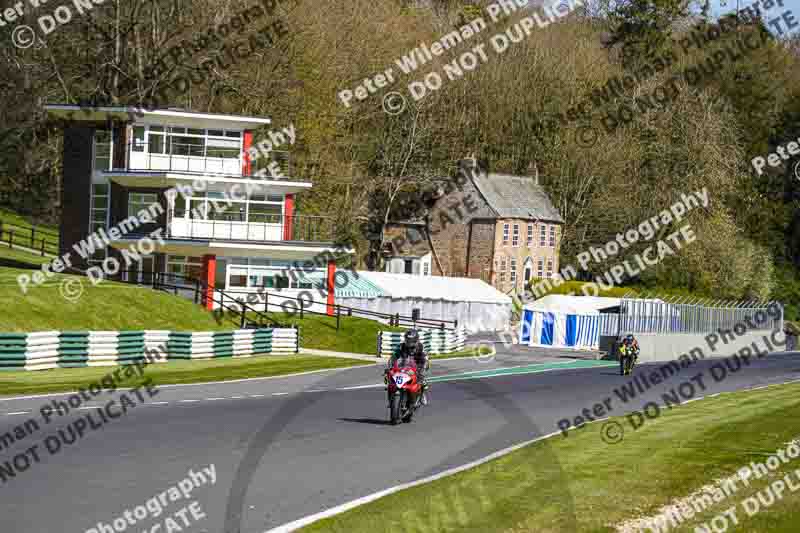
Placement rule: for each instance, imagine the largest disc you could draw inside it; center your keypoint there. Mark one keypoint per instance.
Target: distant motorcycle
(627, 359)
(404, 390)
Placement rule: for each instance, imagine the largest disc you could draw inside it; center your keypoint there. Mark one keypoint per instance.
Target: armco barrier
(434, 340)
(68, 349)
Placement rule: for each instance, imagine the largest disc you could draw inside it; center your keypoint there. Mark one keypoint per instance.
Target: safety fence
(32, 238)
(676, 316)
(435, 341)
(64, 349)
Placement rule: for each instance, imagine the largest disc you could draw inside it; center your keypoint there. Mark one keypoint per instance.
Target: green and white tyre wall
(435, 341)
(69, 349)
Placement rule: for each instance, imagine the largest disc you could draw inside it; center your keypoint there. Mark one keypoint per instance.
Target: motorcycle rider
(411, 347)
(630, 346)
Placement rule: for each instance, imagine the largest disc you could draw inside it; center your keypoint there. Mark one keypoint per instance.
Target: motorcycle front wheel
(409, 409)
(394, 408)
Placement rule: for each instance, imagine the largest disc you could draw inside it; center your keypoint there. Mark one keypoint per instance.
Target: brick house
(501, 228)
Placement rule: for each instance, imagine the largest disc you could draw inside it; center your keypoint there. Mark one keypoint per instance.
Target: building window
(502, 270)
(515, 236)
(549, 268)
(553, 235)
(530, 235)
(186, 142)
(425, 269)
(542, 235)
(408, 266)
(245, 273)
(514, 272)
(100, 201)
(505, 233)
(184, 266)
(102, 149)
(138, 201)
(540, 269)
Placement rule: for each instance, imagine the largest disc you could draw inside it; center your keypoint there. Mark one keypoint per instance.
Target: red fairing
(404, 377)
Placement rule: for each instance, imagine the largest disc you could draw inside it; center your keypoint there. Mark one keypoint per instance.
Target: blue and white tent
(560, 321)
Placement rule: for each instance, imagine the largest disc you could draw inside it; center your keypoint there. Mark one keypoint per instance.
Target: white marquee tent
(475, 304)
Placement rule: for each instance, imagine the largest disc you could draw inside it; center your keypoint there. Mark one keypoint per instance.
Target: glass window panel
(259, 262)
(234, 213)
(274, 198)
(100, 188)
(238, 281)
(138, 139)
(100, 202)
(265, 213)
(157, 128)
(281, 282)
(180, 207)
(224, 143)
(177, 130)
(235, 134)
(156, 144)
(191, 131)
(197, 208)
(257, 197)
(216, 133)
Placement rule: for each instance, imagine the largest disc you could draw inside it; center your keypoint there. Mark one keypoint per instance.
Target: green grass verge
(173, 372)
(355, 335)
(107, 306)
(10, 218)
(580, 483)
(21, 258)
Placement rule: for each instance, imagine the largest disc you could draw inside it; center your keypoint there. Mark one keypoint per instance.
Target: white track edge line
(302, 522)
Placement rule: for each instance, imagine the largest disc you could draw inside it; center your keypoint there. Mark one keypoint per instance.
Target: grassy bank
(580, 483)
(223, 369)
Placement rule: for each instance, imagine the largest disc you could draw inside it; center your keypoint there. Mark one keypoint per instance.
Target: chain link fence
(682, 315)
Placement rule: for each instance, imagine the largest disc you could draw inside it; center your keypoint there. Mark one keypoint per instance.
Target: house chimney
(534, 169)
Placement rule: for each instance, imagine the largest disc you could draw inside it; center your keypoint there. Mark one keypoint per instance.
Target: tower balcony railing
(203, 159)
(269, 228)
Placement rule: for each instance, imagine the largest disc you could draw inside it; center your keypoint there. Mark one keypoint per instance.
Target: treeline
(512, 110)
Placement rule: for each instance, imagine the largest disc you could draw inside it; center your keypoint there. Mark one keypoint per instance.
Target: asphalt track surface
(289, 447)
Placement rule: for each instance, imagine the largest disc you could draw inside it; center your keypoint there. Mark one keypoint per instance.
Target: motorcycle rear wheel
(394, 408)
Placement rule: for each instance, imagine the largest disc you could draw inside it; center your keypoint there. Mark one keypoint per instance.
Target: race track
(286, 448)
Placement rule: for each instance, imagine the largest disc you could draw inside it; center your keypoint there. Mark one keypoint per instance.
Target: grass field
(14, 220)
(119, 306)
(222, 369)
(580, 483)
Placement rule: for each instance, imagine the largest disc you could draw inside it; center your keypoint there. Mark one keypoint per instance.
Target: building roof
(516, 197)
(464, 290)
(157, 116)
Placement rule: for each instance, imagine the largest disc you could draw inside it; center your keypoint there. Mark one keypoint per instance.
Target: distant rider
(630, 346)
(411, 347)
